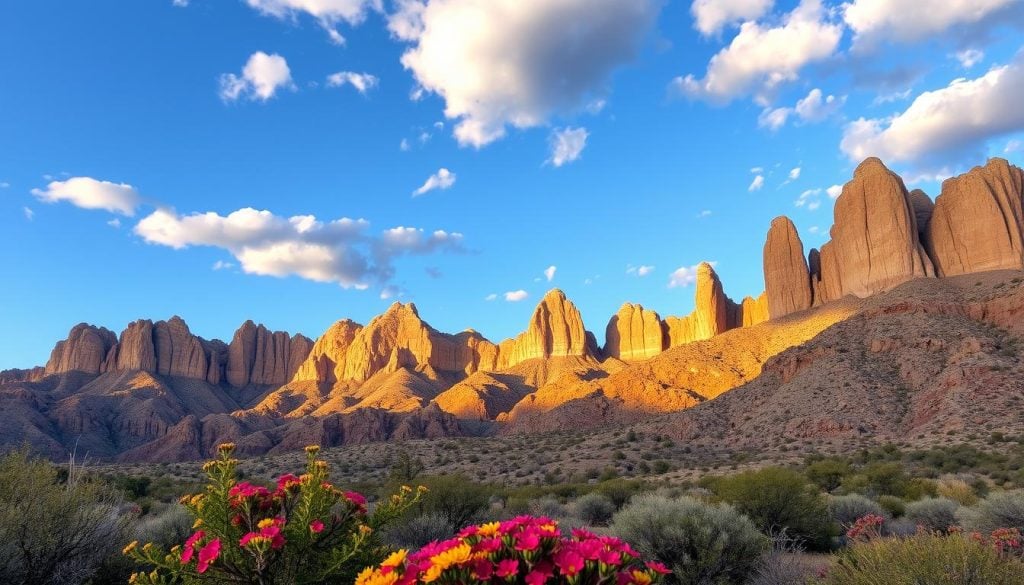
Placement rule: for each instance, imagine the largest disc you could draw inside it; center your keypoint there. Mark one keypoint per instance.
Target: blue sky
(619, 141)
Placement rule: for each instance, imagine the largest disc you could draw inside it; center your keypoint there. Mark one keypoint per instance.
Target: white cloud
(969, 57)
(813, 108)
(4, 185)
(222, 265)
(566, 145)
(339, 251)
(404, 145)
(549, 272)
(29, 214)
(756, 184)
(180, 3)
(794, 173)
(261, 77)
(442, 179)
(514, 296)
(115, 223)
(814, 229)
(704, 213)
(515, 63)
(760, 58)
(362, 82)
(947, 125)
(711, 16)
(834, 191)
(389, 291)
(640, 271)
(684, 276)
(89, 193)
(875, 21)
(329, 13)
(491, 297)
(811, 199)
(757, 170)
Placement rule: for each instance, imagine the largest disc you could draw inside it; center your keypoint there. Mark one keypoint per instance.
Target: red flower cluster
(207, 553)
(1006, 541)
(866, 527)
(526, 550)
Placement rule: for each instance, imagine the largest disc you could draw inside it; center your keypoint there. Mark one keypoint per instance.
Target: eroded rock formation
(555, 330)
(710, 315)
(634, 333)
(787, 282)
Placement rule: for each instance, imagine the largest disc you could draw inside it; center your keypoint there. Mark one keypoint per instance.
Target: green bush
(595, 509)
(924, 559)
(893, 505)
(845, 510)
(778, 500)
(933, 513)
(415, 532)
(455, 498)
(998, 510)
(828, 474)
(55, 527)
(700, 542)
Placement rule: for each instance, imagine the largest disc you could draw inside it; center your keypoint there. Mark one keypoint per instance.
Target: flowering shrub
(866, 527)
(303, 531)
(524, 550)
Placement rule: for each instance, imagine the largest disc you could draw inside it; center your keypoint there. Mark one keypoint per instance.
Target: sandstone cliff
(258, 356)
(787, 282)
(710, 315)
(555, 330)
(634, 333)
(977, 222)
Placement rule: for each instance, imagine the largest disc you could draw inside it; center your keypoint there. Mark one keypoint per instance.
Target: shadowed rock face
(85, 350)
(787, 282)
(977, 222)
(875, 243)
(257, 356)
(634, 333)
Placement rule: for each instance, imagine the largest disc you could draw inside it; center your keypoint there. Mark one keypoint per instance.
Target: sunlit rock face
(555, 330)
(258, 356)
(710, 315)
(634, 333)
(977, 221)
(787, 281)
(85, 350)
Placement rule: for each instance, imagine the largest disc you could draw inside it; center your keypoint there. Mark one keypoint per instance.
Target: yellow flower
(134, 578)
(364, 575)
(431, 574)
(453, 556)
(641, 577)
(406, 489)
(131, 546)
(197, 523)
(265, 523)
(489, 529)
(147, 547)
(226, 448)
(382, 579)
(312, 449)
(395, 559)
(365, 530)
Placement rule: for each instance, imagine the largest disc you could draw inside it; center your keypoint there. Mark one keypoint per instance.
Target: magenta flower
(190, 546)
(208, 554)
(507, 568)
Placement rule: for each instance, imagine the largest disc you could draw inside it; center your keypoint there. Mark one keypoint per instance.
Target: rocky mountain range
(894, 302)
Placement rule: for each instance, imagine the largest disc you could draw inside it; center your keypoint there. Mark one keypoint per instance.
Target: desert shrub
(778, 500)
(304, 531)
(700, 542)
(784, 564)
(957, 490)
(595, 509)
(417, 531)
(455, 498)
(523, 550)
(56, 526)
(165, 527)
(828, 474)
(933, 513)
(548, 506)
(997, 510)
(620, 491)
(845, 510)
(893, 505)
(924, 558)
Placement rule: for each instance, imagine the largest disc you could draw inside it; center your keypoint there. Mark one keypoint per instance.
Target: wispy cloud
(442, 179)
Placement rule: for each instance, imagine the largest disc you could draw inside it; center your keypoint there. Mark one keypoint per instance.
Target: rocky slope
(897, 263)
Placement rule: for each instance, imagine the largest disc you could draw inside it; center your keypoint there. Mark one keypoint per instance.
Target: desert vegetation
(823, 520)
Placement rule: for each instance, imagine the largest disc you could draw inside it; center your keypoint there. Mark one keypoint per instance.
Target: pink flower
(658, 567)
(482, 569)
(536, 578)
(569, 562)
(208, 554)
(247, 538)
(190, 546)
(356, 498)
(528, 541)
(316, 526)
(507, 568)
(288, 481)
(609, 557)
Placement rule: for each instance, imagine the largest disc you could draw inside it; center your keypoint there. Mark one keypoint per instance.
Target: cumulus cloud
(947, 125)
(969, 57)
(711, 16)
(362, 82)
(834, 191)
(340, 251)
(261, 77)
(442, 179)
(566, 145)
(514, 296)
(905, 21)
(89, 193)
(640, 271)
(762, 57)
(514, 63)
(549, 273)
(756, 184)
(328, 13)
(811, 199)
(684, 276)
